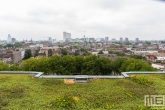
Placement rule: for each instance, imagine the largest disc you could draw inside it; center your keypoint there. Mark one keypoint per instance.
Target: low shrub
(129, 94)
(67, 102)
(141, 80)
(109, 107)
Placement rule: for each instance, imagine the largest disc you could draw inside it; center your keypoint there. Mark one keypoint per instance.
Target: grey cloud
(99, 18)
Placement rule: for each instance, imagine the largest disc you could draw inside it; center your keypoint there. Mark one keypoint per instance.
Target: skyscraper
(136, 39)
(126, 39)
(8, 38)
(66, 37)
(13, 40)
(106, 39)
(121, 40)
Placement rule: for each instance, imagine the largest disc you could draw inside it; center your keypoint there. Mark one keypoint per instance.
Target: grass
(23, 92)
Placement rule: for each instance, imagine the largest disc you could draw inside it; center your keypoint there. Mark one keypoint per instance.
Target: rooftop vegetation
(23, 92)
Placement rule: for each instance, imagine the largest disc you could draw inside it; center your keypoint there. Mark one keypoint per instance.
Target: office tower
(50, 39)
(113, 40)
(66, 37)
(121, 40)
(126, 39)
(136, 39)
(106, 39)
(9, 38)
(102, 39)
(13, 40)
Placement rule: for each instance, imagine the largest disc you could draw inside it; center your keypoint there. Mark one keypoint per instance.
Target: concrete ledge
(40, 74)
(125, 74)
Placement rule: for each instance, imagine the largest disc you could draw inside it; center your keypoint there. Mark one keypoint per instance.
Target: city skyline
(68, 38)
(98, 18)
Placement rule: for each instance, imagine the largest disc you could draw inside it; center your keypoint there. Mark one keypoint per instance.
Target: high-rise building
(113, 40)
(106, 39)
(50, 39)
(121, 40)
(126, 39)
(13, 40)
(91, 39)
(66, 37)
(136, 39)
(102, 39)
(9, 38)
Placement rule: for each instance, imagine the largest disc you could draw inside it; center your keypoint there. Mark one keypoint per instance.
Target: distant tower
(136, 40)
(66, 36)
(85, 42)
(106, 39)
(13, 40)
(84, 36)
(121, 40)
(126, 39)
(8, 38)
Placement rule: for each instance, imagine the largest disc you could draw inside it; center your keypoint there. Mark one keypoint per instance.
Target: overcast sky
(38, 19)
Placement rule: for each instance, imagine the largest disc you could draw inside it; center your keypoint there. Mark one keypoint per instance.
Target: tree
(117, 53)
(50, 52)
(17, 44)
(137, 56)
(135, 65)
(103, 66)
(84, 50)
(68, 63)
(43, 65)
(127, 43)
(64, 51)
(40, 64)
(9, 45)
(126, 65)
(76, 46)
(76, 54)
(29, 64)
(28, 54)
(14, 67)
(79, 60)
(89, 65)
(158, 61)
(60, 45)
(110, 52)
(3, 66)
(121, 46)
(62, 65)
(55, 64)
(140, 57)
(116, 64)
(100, 52)
(147, 43)
(36, 53)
